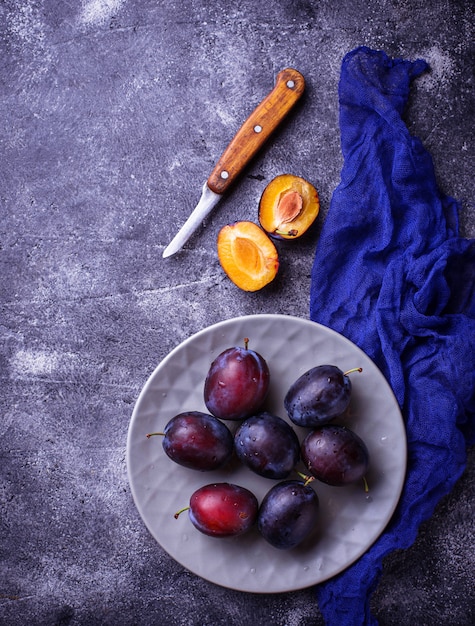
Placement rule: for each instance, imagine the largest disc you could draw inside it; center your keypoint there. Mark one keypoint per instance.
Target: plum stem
(185, 508)
(366, 486)
(306, 478)
(154, 434)
(246, 342)
(355, 369)
(289, 233)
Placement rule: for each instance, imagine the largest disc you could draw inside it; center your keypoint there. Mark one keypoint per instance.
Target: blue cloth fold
(392, 274)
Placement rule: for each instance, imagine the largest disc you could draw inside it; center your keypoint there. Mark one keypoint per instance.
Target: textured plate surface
(351, 520)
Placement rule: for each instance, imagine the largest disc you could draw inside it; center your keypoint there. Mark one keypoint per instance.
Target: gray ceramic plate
(351, 519)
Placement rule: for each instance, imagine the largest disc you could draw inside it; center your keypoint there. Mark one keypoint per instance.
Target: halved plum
(288, 207)
(247, 255)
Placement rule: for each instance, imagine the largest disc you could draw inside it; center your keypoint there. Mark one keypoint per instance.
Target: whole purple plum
(222, 510)
(335, 455)
(197, 440)
(319, 395)
(268, 445)
(237, 383)
(288, 514)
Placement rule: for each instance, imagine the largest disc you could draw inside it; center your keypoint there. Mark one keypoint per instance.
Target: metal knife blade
(258, 127)
(209, 199)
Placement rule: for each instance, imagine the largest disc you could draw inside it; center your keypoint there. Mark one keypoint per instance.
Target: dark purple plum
(237, 383)
(267, 445)
(222, 510)
(335, 455)
(197, 440)
(318, 396)
(288, 514)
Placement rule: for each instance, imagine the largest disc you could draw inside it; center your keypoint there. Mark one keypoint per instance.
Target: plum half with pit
(288, 207)
(237, 383)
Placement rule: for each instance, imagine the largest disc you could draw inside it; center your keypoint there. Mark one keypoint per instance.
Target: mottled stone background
(113, 113)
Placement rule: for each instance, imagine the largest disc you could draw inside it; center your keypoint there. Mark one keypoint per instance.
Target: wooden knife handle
(289, 86)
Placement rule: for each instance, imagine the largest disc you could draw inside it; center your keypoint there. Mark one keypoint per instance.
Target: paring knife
(289, 86)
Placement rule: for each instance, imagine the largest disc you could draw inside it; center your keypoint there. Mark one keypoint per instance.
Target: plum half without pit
(247, 255)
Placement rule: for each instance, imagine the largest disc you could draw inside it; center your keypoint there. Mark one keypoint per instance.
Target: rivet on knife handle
(289, 86)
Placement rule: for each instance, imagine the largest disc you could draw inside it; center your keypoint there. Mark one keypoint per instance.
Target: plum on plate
(268, 445)
(197, 441)
(319, 395)
(222, 510)
(335, 455)
(237, 383)
(288, 514)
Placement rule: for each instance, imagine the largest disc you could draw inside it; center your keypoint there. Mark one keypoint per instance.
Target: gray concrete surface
(113, 112)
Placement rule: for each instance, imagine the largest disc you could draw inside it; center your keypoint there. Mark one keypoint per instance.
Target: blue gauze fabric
(392, 275)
